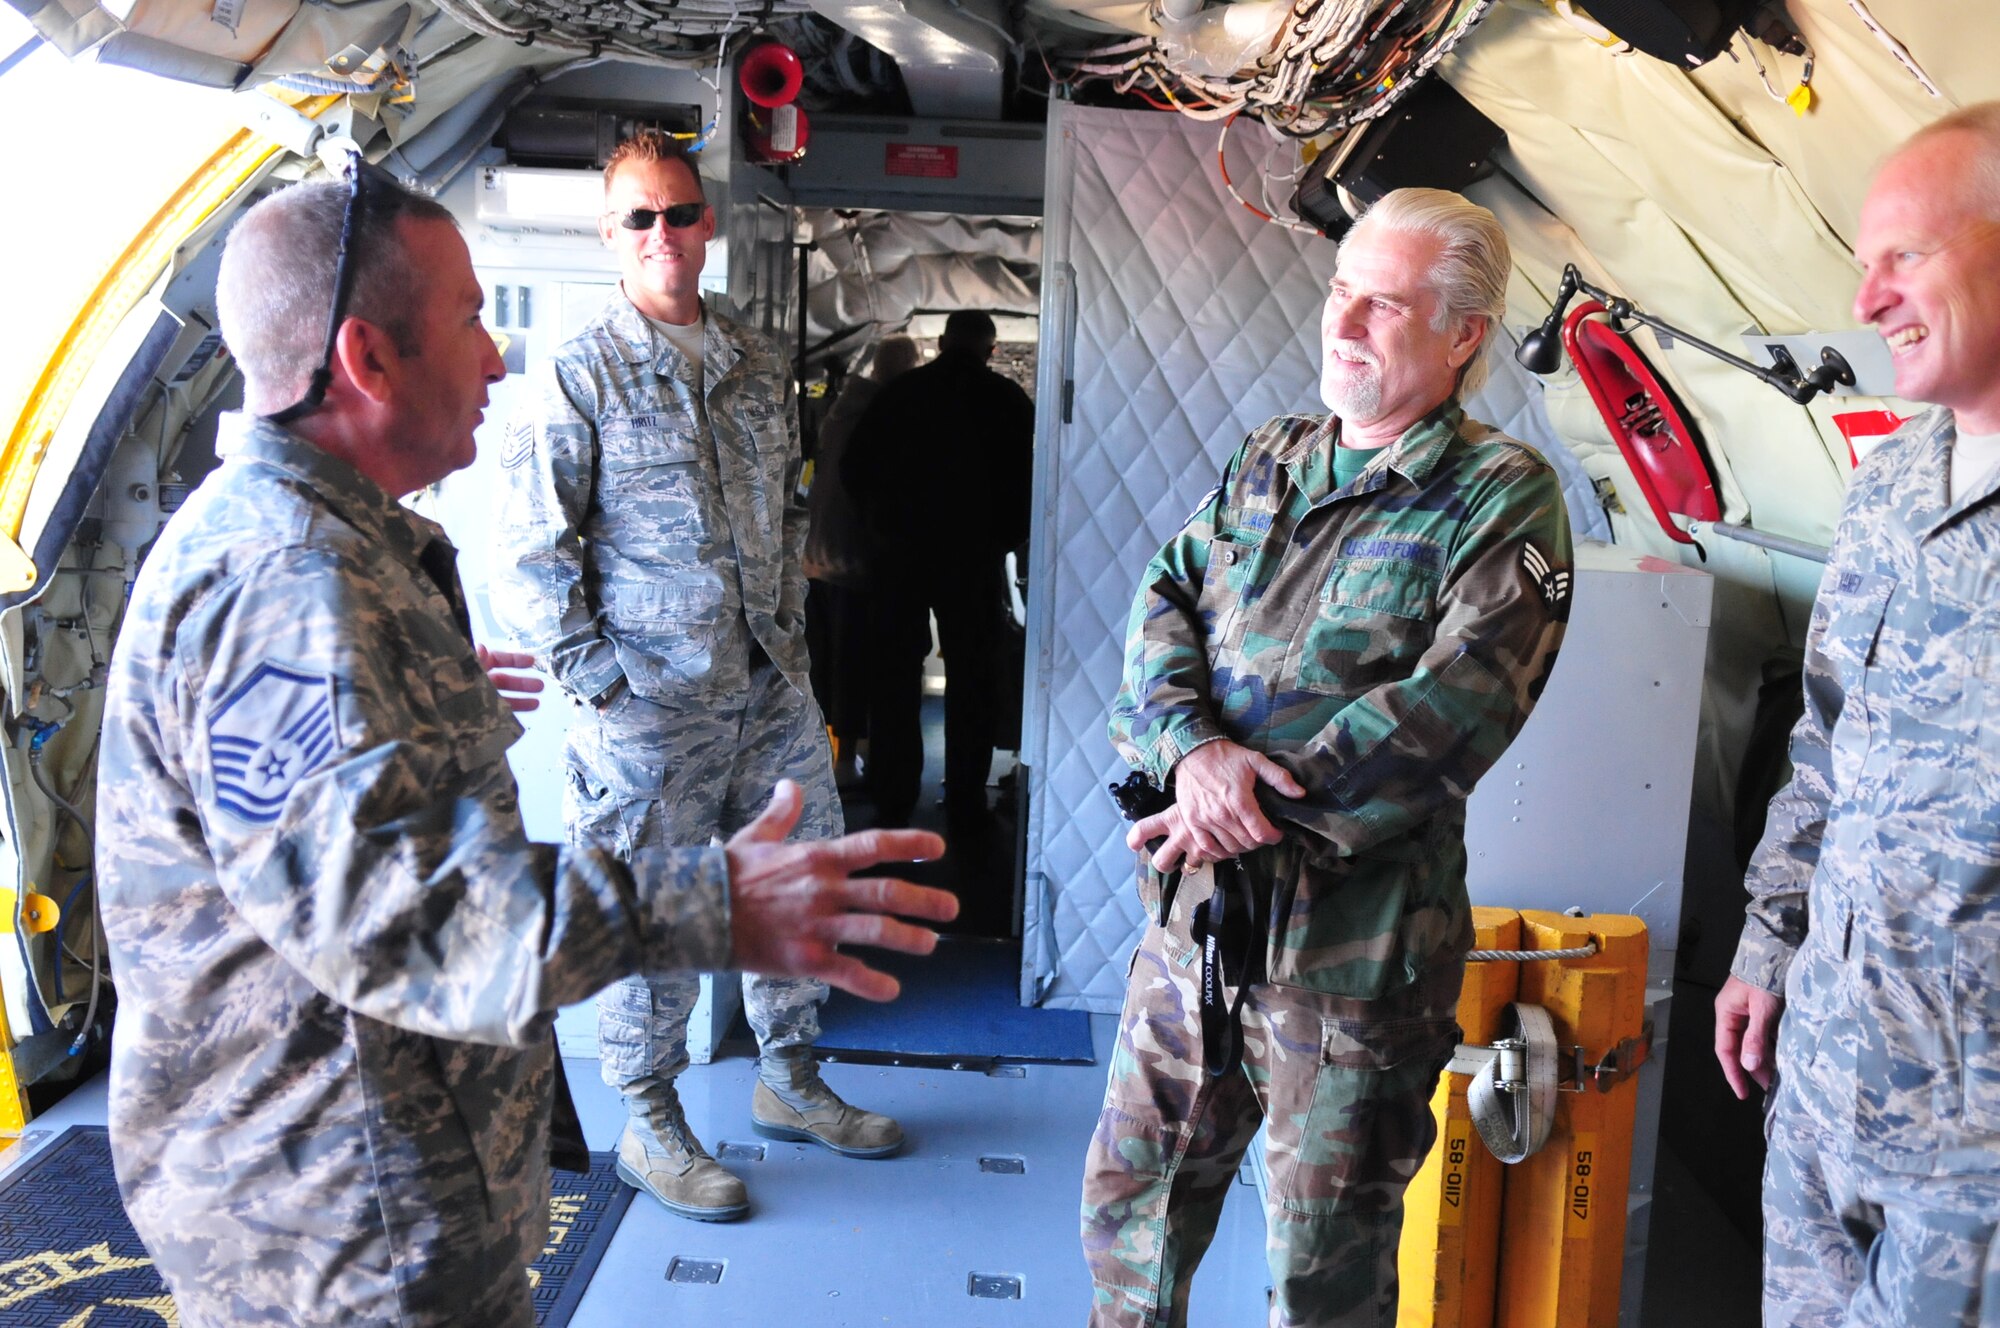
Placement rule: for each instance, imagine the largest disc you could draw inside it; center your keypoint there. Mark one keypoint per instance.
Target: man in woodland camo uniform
(1344, 637)
(1874, 919)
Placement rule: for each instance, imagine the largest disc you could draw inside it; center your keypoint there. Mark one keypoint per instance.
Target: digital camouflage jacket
(339, 958)
(1383, 642)
(645, 530)
(1875, 894)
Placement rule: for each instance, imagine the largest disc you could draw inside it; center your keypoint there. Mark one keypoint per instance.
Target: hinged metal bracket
(1575, 1073)
(336, 134)
(291, 129)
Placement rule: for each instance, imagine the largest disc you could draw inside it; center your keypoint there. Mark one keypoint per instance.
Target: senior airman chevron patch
(1553, 584)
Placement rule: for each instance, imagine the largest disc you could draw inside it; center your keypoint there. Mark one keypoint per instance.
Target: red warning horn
(771, 74)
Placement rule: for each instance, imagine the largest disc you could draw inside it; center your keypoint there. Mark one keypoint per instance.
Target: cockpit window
(89, 154)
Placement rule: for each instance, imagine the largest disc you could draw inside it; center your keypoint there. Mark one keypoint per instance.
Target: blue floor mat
(960, 1006)
(69, 1256)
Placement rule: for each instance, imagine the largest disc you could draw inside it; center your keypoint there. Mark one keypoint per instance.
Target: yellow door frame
(125, 282)
(116, 294)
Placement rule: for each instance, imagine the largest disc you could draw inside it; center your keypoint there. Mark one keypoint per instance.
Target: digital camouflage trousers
(643, 775)
(1847, 1244)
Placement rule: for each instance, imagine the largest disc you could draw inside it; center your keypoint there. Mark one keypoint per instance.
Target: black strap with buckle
(1229, 926)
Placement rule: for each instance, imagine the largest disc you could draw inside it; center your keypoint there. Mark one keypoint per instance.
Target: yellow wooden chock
(1449, 1257)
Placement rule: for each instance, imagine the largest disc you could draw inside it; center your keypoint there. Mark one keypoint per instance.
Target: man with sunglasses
(338, 956)
(651, 545)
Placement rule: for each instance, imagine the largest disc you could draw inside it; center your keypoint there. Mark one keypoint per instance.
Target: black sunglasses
(679, 217)
(343, 284)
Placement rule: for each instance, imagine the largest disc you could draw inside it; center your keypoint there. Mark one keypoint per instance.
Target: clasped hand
(1215, 813)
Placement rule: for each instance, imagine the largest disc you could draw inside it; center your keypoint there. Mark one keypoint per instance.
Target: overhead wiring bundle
(678, 33)
(1304, 67)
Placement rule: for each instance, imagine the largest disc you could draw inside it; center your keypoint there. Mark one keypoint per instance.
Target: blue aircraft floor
(895, 1243)
(957, 1004)
(836, 1243)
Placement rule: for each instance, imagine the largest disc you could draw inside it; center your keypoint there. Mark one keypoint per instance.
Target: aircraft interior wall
(871, 271)
(1699, 194)
(1713, 205)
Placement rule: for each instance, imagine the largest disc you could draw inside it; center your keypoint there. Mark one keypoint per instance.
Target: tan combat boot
(792, 1102)
(659, 1154)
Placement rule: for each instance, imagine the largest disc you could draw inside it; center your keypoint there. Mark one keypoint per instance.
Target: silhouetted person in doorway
(837, 559)
(940, 470)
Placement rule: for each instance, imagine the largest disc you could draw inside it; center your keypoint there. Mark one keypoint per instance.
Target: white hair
(1470, 274)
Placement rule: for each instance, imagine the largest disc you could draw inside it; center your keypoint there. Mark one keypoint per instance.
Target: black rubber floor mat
(69, 1256)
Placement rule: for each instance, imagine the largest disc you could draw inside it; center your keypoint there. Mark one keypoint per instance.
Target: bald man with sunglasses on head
(651, 541)
(334, 1079)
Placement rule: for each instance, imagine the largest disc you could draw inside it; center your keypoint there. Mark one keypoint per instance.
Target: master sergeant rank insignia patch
(271, 732)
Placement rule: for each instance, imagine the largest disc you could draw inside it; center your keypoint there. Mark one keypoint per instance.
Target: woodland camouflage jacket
(1383, 641)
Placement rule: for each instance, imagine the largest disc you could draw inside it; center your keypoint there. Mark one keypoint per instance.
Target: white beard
(1353, 391)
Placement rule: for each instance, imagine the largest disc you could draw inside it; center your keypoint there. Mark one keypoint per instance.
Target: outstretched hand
(793, 904)
(1215, 813)
(516, 689)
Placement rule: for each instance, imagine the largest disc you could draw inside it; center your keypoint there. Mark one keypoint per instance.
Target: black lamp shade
(1540, 352)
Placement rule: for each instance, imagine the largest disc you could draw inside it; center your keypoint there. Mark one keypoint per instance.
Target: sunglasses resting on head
(357, 175)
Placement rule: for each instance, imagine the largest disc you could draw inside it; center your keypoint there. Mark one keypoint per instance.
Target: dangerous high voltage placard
(929, 161)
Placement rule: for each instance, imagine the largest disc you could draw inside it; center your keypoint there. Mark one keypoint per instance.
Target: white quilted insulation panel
(1187, 322)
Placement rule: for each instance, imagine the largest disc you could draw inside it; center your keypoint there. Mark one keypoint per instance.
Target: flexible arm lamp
(1666, 459)
(1541, 350)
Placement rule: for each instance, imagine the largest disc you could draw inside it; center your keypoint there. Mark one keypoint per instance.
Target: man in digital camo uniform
(651, 537)
(1874, 918)
(339, 958)
(1359, 619)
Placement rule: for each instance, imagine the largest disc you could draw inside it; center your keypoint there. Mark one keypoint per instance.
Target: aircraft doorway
(892, 635)
(867, 275)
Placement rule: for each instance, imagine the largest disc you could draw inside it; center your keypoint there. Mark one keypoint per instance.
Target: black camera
(1137, 798)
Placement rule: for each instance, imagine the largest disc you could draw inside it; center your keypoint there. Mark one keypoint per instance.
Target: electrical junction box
(1681, 32)
(919, 165)
(1432, 138)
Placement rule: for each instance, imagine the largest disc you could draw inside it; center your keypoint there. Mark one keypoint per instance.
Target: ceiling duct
(952, 53)
(574, 134)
